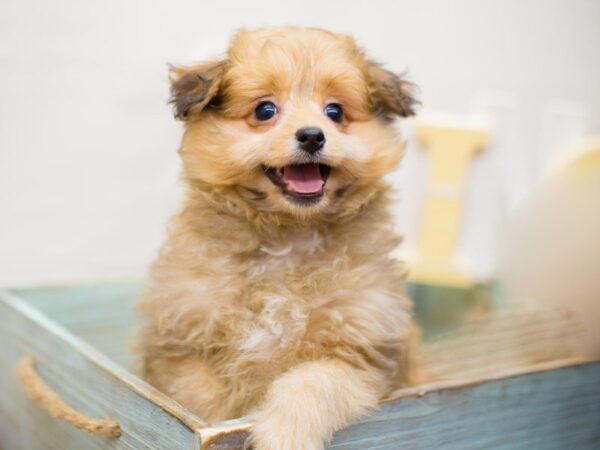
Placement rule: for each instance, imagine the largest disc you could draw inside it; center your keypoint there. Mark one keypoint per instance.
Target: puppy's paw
(306, 405)
(280, 433)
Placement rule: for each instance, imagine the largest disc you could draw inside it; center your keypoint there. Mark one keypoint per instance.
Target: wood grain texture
(502, 341)
(495, 394)
(555, 408)
(86, 380)
(100, 314)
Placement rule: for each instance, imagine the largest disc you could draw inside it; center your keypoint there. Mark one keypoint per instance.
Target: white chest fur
(283, 318)
(296, 246)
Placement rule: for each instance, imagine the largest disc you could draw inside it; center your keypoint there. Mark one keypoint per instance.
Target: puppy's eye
(335, 112)
(265, 111)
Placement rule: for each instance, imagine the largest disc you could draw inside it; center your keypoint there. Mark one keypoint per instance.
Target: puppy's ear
(390, 94)
(192, 88)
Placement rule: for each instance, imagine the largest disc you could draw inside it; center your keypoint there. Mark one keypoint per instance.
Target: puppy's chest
(297, 253)
(285, 286)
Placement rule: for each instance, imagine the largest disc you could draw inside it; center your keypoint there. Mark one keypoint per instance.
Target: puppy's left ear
(391, 95)
(192, 88)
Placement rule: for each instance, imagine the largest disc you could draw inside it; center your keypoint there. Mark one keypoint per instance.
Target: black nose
(311, 139)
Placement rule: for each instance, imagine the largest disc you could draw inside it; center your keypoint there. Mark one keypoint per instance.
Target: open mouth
(303, 183)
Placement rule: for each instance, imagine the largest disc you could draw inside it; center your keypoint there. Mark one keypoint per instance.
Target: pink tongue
(303, 178)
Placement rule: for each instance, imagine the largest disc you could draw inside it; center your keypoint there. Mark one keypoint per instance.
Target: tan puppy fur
(262, 304)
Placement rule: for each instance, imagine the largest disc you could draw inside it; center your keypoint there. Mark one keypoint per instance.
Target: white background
(88, 164)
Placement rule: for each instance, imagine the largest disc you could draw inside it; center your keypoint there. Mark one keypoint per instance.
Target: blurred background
(88, 167)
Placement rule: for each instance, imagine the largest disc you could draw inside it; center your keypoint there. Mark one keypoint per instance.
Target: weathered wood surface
(502, 341)
(102, 315)
(86, 380)
(555, 408)
(555, 405)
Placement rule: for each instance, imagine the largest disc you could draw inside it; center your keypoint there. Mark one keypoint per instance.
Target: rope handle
(56, 406)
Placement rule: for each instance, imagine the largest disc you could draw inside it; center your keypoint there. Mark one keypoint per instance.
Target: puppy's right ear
(193, 87)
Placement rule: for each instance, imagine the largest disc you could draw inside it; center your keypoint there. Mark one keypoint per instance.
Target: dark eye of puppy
(265, 111)
(334, 112)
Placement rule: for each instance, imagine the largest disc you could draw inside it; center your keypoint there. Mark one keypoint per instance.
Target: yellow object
(580, 160)
(451, 150)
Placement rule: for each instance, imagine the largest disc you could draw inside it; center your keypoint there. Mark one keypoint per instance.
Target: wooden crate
(79, 337)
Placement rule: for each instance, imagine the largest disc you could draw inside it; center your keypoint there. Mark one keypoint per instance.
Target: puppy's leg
(307, 404)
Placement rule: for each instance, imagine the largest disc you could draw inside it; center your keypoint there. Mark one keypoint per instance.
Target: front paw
(278, 435)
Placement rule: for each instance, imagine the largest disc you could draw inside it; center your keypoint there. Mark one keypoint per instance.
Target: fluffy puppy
(275, 296)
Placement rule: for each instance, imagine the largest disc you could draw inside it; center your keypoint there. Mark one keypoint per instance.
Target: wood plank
(100, 314)
(501, 341)
(85, 379)
(555, 408)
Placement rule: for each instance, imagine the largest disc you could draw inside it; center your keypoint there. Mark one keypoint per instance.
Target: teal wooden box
(79, 338)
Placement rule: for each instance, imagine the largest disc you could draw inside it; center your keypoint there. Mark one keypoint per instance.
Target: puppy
(275, 296)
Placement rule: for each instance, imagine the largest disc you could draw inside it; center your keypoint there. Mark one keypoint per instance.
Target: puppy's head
(294, 120)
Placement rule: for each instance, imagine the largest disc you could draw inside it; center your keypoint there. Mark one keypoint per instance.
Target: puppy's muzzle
(310, 139)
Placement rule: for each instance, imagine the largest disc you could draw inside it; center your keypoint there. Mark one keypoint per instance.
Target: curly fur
(291, 314)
